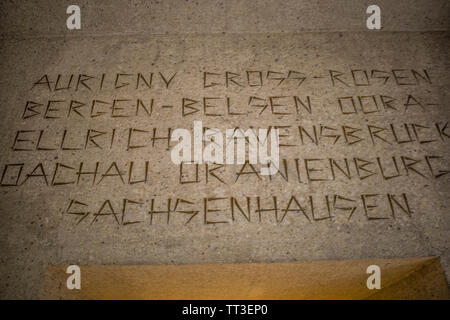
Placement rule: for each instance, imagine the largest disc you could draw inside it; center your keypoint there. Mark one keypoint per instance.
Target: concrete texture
(47, 18)
(406, 63)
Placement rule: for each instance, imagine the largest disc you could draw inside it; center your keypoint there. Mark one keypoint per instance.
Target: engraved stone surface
(87, 177)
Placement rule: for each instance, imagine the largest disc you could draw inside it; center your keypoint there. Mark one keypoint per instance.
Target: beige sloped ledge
(401, 278)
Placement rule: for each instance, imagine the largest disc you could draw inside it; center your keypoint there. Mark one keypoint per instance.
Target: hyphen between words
(213, 152)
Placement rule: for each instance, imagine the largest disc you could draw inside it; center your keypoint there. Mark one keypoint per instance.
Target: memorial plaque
(87, 169)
